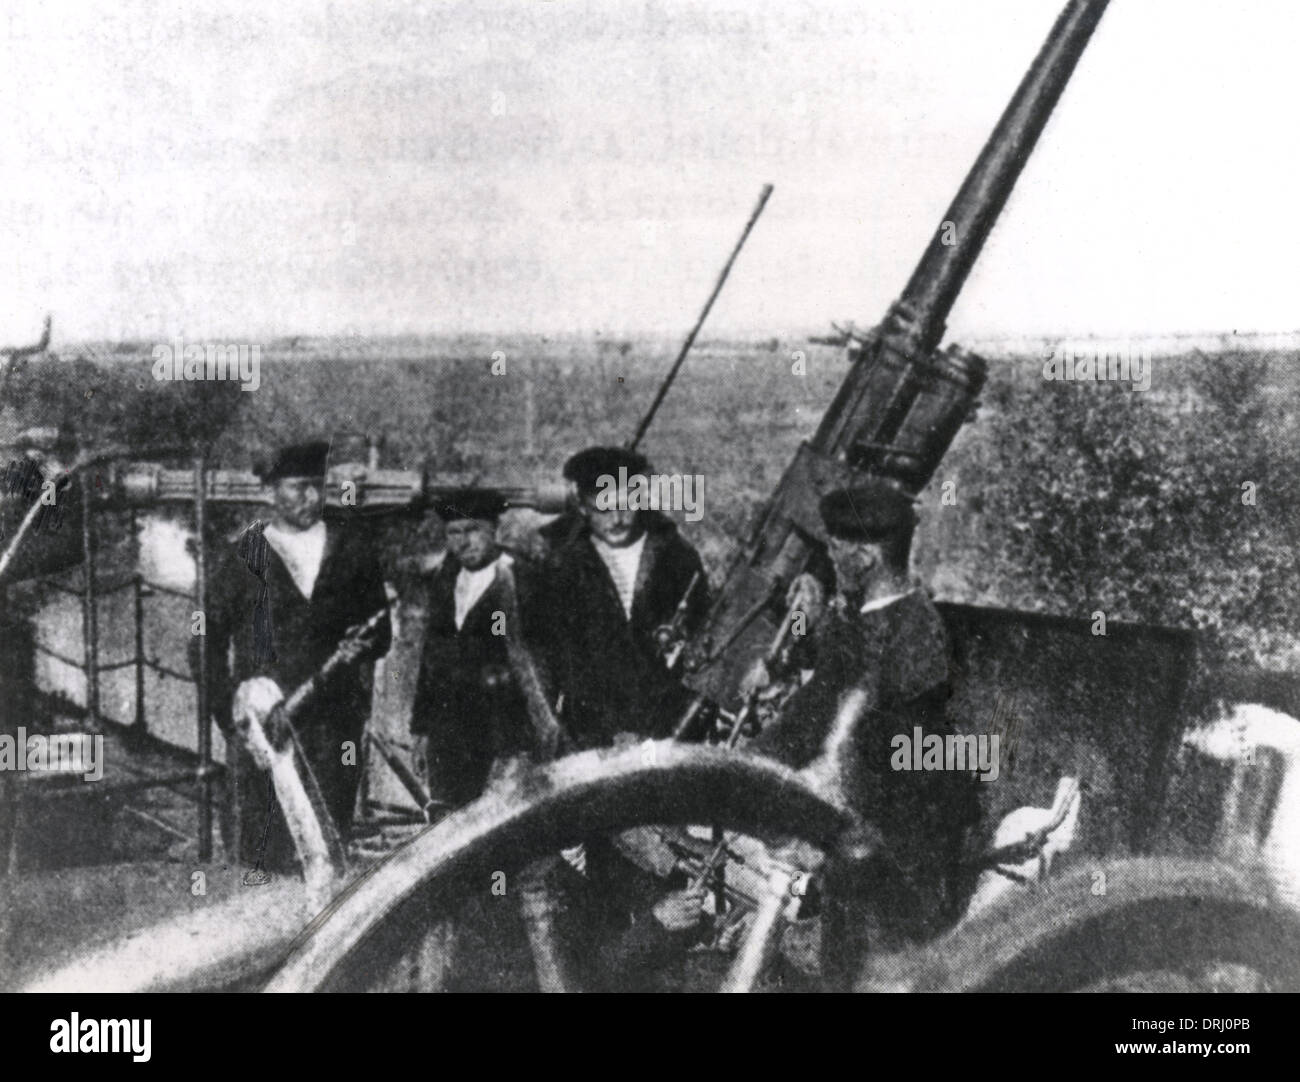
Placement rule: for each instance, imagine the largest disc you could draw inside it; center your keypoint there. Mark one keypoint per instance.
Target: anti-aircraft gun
(904, 399)
(894, 417)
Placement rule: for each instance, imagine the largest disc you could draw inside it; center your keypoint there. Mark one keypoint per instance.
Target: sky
(243, 170)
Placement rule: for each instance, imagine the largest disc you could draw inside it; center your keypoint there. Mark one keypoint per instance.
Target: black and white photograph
(673, 496)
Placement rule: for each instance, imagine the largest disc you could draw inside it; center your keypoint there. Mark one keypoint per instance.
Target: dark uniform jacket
(466, 699)
(899, 654)
(606, 666)
(349, 588)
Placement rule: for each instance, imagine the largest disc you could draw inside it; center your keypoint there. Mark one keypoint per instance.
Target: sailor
(615, 580)
(281, 601)
(469, 710)
(615, 577)
(882, 635)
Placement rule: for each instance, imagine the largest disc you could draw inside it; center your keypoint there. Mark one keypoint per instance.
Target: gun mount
(904, 400)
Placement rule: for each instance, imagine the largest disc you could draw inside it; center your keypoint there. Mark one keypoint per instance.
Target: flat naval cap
(586, 468)
(867, 511)
(481, 504)
(299, 460)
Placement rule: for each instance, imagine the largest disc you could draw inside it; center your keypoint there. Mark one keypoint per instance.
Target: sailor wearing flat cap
(468, 711)
(282, 600)
(614, 579)
(881, 634)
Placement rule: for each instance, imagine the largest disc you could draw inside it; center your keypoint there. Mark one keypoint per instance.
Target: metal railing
(90, 592)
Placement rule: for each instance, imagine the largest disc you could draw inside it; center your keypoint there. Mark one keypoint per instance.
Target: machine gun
(352, 486)
(904, 399)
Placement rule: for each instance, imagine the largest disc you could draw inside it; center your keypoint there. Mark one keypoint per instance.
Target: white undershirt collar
(472, 585)
(302, 551)
(623, 564)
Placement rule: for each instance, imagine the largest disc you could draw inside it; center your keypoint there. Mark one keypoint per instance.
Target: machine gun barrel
(704, 314)
(375, 491)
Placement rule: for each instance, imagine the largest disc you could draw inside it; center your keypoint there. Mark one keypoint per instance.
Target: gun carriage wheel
(1147, 924)
(368, 929)
(1156, 915)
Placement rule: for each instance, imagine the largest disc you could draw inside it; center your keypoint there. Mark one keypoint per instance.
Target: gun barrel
(942, 270)
(902, 401)
(374, 491)
(708, 306)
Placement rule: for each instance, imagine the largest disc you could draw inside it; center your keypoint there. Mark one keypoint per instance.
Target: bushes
(1098, 497)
